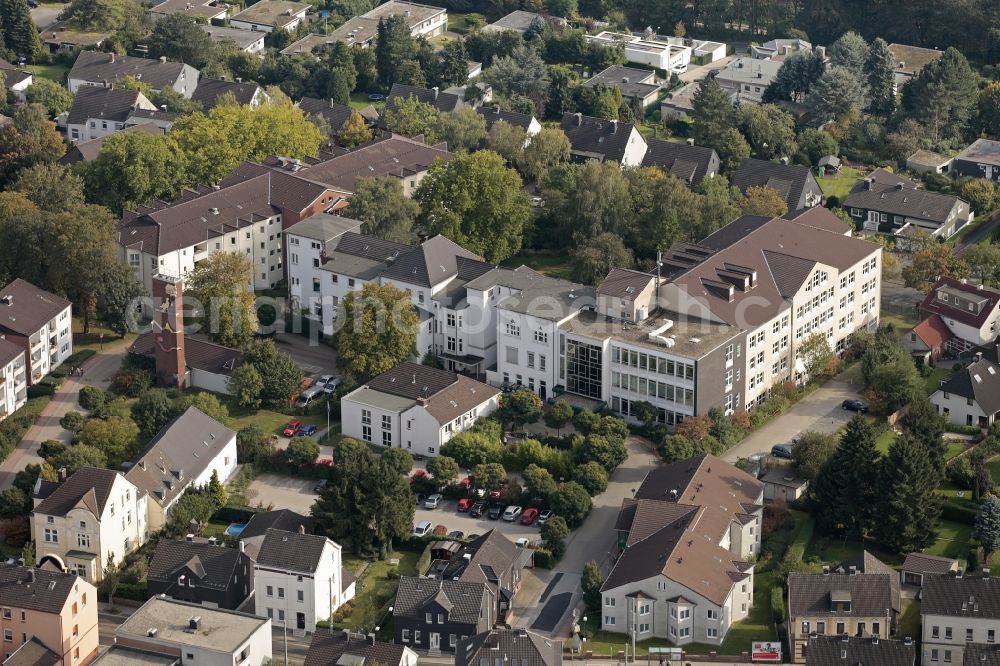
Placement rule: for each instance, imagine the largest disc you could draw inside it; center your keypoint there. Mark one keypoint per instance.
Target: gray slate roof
(8, 352)
(829, 651)
(102, 103)
(465, 598)
(928, 564)
(98, 66)
(33, 653)
(889, 193)
(25, 308)
(213, 563)
(494, 114)
(324, 227)
(439, 99)
(624, 283)
(980, 654)
(630, 81)
(209, 91)
(689, 163)
(291, 551)
(35, 589)
(509, 646)
(489, 556)
(282, 519)
(968, 596)
(596, 137)
(326, 649)
(809, 594)
(335, 114)
(979, 381)
(90, 485)
(982, 151)
(788, 180)
(428, 264)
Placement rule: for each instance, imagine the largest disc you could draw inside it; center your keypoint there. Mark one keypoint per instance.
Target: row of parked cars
(493, 510)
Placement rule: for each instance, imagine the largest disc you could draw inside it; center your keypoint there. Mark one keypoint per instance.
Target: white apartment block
(79, 522)
(298, 580)
(39, 322)
(662, 54)
(13, 378)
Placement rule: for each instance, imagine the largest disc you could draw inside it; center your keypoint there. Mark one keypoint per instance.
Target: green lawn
(92, 339)
(375, 589)
(458, 23)
(757, 626)
(884, 441)
(830, 551)
(994, 467)
(954, 448)
(899, 322)
(953, 540)
(840, 184)
(268, 420)
(54, 72)
(556, 265)
(908, 623)
(957, 495)
(933, 380)
(359, 100)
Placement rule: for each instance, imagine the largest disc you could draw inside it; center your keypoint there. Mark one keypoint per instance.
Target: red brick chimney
(168, 331)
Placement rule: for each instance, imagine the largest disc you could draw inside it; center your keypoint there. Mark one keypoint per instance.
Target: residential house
(423, 20)
(87, 151)
(434, 615)
(748, 78)
(162, 120)
(928, 340)
(211, 92)
(201, 571)
(603, 140)
(343, 647)
(49, 617)
(299, 579)
(335, 114)
(638, 86)
(202, 11)
(970, 311)
(493, 114)
(66, 37)
(40, 323)
(80, 522)
(416, 407)
(793, 183)
(519, 21)
(17, 81)
(781, 484)
(970, 396)
(196, 634)
(925, 161)
(184, 454)
(779, 49)
(686, 161)
(909, 61)
(861, 601)
(887, 203)
(246, 40)
(13, 378)
(442, 101)
(980, 160)
(666, 54)
(978, 654)
(956, 611)
(918, 565)
(284, 520)
(853, 651)
(94, 68)
(679, 103)
(269, 15)
(507, 646)
(98, 112)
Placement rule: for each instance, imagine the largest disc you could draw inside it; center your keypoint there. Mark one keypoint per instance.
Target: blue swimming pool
(235, 529)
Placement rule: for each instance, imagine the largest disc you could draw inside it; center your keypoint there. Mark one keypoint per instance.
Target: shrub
(778, 604)
(131, 382)
(958, 513)
(41, 390)
(71, 421)
(544, 558)
(92, 398)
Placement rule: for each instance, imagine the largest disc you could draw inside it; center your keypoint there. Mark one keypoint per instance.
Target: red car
(466, 482)
(464, 505)
(418, 474)
(292, 429)
(495, 494)
(529, 516)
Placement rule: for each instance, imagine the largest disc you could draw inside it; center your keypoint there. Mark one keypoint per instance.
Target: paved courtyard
(284, 492)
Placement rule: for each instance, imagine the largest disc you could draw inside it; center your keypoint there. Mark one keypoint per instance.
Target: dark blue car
(308, 431)
(782, 451)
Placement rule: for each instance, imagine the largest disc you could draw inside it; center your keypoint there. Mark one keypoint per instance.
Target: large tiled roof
(327, 649)
(179, 453)
(624, 283)
(890, 193)
(35, 589)
(630, 81)
(281, 519)
(788, 180)
(99, 67)
(103, 104)
(968, 291)
(445, 395)
(494, 114)
(9, 352)
(483, 560)
(933, 332)
(440, 100)
(518, 647)
(25, 308)
(596, 138)
(465, 598)
(209, 91)
(428, 264)
(89, 485)
(865, 562)
(929, 564)
(853, 651)
(968, 596)
(689, 163)
(291, 551)
(33, 653)
(213, 563)
(870, 595)
(979, 381)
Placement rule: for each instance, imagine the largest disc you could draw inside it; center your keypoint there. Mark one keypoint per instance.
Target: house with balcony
(13, 378)
(81, 521)
(887, 203)
(49, 617)
(686, 544)
(959, 614)
(40, 323)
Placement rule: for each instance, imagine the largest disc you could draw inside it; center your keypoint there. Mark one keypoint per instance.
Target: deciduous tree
(931, 263)
(546, 149)
(762, 200)
(559, 415)
(462, 129)
(520, 407)
(570, 502)
(984, 262)
(55, 98)
(383, 207)
(51, 187)
(245, 385)
(179, 38)
(444, 469)
(769, 129)
(221, 285)
(595, 257)
(133, 169)
(302, 451)
(411, 117)
(151, 412)
(378, 330)
(355, 131)
(811, 452)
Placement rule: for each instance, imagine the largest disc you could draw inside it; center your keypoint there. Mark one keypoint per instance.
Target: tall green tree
(453, 66)
(410, 117)
(393, 46)
(355, 131)
(383, 207)
(245, 384)
(520, 407)
(795, 78)
(943, 95)
(52, 187)
(476, 201)
(812, 451)
(546, 149)
(594, 258)
(839, 92)
(924, 424)
(908, 504)
(880, 73)
(179, 38)
(19, 33)
(280, 374)
(462, 129)
(221, 286)
(152, 411)
(769, 129)
(522, 72)
(217, 491)
(31, 139)
(135, 168)
(54, 97)
(845, 491)
(378, 330)
(712, 112)
(988, 527)
(118, 305)
(591, 583)
(849, 51)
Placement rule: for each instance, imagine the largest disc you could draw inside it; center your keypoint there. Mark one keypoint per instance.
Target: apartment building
(49, 617)
(79, 522)
(748, 78)
(957, 611)
(40, 323)
(423, 20)
(687, 541)
(13, 378)
(99, 112)
(299, 579)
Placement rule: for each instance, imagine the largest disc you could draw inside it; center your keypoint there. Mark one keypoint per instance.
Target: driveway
(45, 15)
(821, 411)
(701, 71)
(313, 356)
(283, 492)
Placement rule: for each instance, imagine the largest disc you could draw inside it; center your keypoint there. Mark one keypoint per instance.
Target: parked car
(308, 431)
(496, 494)
(433, 501)
(464, 505)
(495, 511)
(457, 534)
(310, 394)
(855, 406)
(422, 528)
(321, 486)
(417, 474)
(477, 509)
(292, 429)
(523, 542)
(511, 513)
(329, 383)
(782, 451)
(440, 530)
(529, 515)
(544, 516)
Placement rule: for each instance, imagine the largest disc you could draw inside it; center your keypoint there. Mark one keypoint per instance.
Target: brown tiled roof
(461, 397)
(103, 103)
(198, 354)
(8, 352)
(35, 589)
(25, 308)
(445, 395)
(33, 653)
(89, 485)
(624, 283)
(933, 332)
(932, 305)
(326, 649)
(931, 564)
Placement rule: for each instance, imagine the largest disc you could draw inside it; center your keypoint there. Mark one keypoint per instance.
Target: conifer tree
(879, 69)
(844, 490)
(924, 424)
(908, 509)
(19, 33)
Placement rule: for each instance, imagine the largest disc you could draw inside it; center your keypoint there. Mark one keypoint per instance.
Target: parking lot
(284, 492)
(447, 514)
